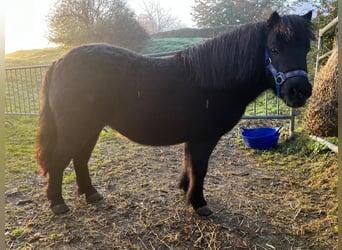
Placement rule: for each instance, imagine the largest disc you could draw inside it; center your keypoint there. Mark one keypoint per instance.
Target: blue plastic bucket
(260, 138)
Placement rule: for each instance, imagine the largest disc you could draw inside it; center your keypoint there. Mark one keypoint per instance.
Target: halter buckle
(280, 78)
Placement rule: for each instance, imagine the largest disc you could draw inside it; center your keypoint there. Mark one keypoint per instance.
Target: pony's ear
(273, 19)
(308, 15)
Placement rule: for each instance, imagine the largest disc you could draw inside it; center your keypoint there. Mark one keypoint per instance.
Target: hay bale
(322, 109)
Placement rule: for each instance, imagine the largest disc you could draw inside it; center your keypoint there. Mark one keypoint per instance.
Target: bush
(75, 22)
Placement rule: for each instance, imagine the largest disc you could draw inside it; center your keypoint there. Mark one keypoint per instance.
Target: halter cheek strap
(280, 77)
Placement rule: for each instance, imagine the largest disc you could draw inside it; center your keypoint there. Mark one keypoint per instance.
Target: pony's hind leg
(184, 178)
(196, 157)
(82, 172)
(77, 137)
(54, 186)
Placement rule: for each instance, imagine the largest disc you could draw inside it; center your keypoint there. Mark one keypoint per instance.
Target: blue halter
(280, 77)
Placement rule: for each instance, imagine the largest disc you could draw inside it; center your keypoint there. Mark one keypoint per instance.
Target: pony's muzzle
(296, 91)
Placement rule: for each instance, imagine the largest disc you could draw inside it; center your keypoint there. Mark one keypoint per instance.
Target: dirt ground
(255, 206)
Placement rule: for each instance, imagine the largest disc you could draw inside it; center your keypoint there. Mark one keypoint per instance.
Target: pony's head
(287, 45)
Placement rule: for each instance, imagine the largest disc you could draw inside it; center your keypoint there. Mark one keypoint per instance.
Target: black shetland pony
(193, 97)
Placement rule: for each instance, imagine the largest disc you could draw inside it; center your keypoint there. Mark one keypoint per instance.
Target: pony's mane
(237, 57)
(227, 59)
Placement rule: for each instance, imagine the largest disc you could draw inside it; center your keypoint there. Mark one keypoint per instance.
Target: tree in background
(209, 13)
(156, 19)
(326, 12)
(74, 22)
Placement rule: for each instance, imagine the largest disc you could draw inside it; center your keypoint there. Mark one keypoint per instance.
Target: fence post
(292, 123)
(319, 48)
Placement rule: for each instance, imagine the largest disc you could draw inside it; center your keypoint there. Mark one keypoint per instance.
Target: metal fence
(22, 85)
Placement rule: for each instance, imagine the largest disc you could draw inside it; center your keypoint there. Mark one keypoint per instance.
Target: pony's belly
(151, 139)
(157, 133)
(161, 131)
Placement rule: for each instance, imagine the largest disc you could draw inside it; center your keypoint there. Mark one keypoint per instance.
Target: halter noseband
(280, 77)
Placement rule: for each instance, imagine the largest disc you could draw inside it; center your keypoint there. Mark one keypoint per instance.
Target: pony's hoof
(94, 197)
(60, 208)
(203, 211)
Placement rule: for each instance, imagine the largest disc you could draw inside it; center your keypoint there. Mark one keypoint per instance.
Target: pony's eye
(274, 50)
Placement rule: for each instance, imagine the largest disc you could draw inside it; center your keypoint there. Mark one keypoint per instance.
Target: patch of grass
(267, 104)
(20, 137)
(69, 177)
(321, 163)
(17, 232)
(311, 167)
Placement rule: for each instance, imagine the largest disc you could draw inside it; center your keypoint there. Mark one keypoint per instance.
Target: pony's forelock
(293, 27)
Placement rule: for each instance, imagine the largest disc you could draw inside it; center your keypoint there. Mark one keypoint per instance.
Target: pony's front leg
(196, 157)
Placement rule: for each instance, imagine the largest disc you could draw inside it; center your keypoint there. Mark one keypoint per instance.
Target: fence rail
(321, 34)
(22, 86)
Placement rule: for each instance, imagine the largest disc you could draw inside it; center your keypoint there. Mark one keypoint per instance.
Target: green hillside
(33, 57)
(169, 44)
(48, 55)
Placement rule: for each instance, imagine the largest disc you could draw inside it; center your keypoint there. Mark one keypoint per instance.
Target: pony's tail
(47, 132)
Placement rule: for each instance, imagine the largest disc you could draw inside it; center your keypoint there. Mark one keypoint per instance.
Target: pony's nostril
(293, 91)
(298, 93)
